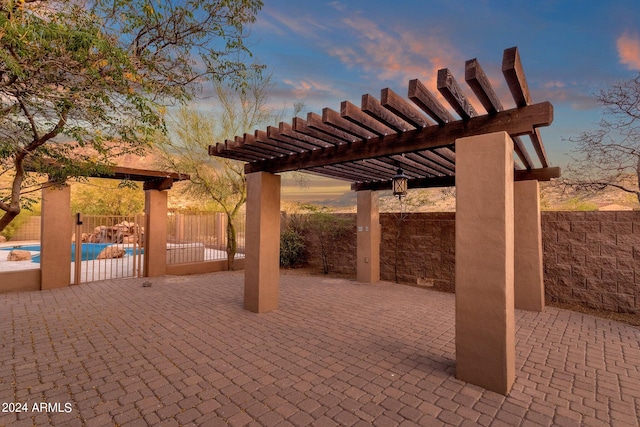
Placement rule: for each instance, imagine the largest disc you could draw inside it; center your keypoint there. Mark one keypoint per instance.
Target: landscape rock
(124, 232)
(19, 255)
(111, 252)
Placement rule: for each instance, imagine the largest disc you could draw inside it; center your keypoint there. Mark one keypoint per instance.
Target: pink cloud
(392, 55)
(629, 50)
(305, 89)
(401, 55)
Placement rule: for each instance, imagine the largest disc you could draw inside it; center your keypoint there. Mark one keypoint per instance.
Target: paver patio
(337, 352)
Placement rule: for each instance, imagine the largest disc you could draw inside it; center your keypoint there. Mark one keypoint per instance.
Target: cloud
(303, 26)
(398, 55)
(308, 89)
(555, 84)
(395, 55)
(629, 50)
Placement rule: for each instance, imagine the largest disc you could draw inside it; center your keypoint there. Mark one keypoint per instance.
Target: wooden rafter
(517, 82)
(543, 174)
(449, 88)
(517, 121)
(367, 144)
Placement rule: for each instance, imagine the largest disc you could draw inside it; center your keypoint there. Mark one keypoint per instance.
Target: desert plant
(102, 74)
(328, 228)
(579, 204)
(292, 248)
(11, 229)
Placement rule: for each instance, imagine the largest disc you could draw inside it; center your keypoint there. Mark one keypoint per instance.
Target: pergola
(57, 228)
(483, 155)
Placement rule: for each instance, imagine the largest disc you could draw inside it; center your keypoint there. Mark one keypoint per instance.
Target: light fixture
(399, 183)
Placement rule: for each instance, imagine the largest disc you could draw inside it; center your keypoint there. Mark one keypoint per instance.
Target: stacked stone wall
(403, 239)
(340, 250)
(590, 258)
(593, 259)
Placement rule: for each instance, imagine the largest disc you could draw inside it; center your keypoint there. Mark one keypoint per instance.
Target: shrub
(11, 229)
(328, 228)
(292, 248)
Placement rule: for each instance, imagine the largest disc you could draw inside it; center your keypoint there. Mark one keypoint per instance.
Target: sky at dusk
(324, 52)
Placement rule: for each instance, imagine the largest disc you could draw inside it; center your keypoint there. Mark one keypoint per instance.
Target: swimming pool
(90, 251)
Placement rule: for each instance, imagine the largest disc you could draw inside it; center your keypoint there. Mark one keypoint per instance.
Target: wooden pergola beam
(403, 109)
(451, 91)
(481, 87)
(542, 174)
(357, 116)
(333, 118)
(423, 98)
(517, 121)
(375, 109)
(301, 131)
(314, 122)
(514, 75)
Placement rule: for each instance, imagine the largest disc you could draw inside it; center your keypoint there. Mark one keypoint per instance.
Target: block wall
(590, 258)
(593, 258)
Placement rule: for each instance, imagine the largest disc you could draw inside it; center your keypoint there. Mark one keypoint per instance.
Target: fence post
(155, 233)
(221, 230)
(55, 257)
(77, 256)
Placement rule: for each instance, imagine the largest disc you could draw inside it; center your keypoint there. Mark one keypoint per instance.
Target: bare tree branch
(609, 155)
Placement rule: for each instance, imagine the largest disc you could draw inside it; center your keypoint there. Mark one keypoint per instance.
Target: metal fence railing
(106, 247)
(201, 236)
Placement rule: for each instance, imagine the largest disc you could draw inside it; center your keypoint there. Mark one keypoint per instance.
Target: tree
(215, 178)
(101, 73)
(328, 229)
(107, 197)
(609, 156)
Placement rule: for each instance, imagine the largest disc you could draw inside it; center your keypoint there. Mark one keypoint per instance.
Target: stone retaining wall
(590, 258)
(593, 258)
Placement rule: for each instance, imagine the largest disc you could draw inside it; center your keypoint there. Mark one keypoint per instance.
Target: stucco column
(179, 220)
(368, 237)
(262, 255)
(221, 230)
(155, 233)
(485, 325)
(56, 230)
(529, 281)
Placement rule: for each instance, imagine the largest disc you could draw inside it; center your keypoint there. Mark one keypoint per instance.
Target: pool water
(90, 251)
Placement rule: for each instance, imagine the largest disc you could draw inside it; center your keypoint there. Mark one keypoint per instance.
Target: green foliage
(18, 222)
(191, 133)
(578, 204)
(292, 248)
(101, 74)
(106, 197)
(328, 228)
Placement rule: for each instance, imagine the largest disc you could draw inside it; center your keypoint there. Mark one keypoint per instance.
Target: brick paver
(336, 353)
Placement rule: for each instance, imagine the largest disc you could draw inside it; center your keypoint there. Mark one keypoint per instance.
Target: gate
(107, 247)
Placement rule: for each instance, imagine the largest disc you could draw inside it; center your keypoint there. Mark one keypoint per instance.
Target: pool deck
(16, 265)
(183, 352)
(91, 270)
